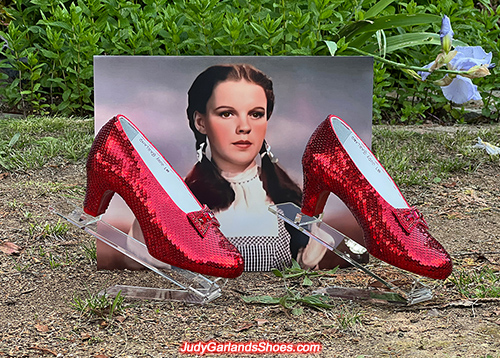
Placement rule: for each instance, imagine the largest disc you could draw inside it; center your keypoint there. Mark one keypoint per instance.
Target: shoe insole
(368, 165)
(168, 178)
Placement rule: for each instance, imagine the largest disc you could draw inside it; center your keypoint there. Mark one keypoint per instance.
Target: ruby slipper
(177, 229)
(336, 160)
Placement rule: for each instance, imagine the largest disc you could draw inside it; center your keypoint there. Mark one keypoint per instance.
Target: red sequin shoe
(336, 160)
(176, 228)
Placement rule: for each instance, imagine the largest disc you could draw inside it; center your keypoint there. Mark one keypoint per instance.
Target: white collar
(248, 214)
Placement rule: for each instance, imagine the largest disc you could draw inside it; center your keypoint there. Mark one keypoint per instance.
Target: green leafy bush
(52, 43)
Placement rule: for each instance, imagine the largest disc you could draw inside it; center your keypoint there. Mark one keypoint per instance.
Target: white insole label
(168, 178)
(373, 171)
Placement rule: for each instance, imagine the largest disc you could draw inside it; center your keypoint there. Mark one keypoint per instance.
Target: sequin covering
(398, 236)
(114, 166)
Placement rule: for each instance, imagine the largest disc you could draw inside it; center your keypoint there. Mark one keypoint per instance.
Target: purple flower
(472, 59)
(461, 90)
(423, 74)
(446, 34)
(468, 57)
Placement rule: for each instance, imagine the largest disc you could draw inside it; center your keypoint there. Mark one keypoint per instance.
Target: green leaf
(307, 281)
(63, 105)
(304, 21)
(87, 72)
(332, 271)
(295, 265)
(14, 139)
(223, 41)
(410, 39)
(277, 37)
(386, 22)
(66, 95)
(377, 8)
(275, 24)
(332, 47)
(60, 24)
(259, 29)
(35, 29)
(286, 302)
(277, 273)
(45, 140)
(294, 274)
(48, 53)
(268, 300)
(297, 311)
(316, 301)
(56, 80)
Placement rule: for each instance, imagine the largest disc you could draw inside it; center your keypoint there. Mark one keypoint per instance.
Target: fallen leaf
(469, 261)
(41, 327)
(244, 326)
(330, 331)
(120, 319)
(3, 175)
(433, 313)
(85, 336)
(455, 215)
(261, 321)
(9, 248)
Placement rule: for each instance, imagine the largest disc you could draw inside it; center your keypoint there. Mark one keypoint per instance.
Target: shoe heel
(97, 198)
(314, 197)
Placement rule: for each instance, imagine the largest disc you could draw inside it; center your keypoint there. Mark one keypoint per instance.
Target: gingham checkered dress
(258, 234)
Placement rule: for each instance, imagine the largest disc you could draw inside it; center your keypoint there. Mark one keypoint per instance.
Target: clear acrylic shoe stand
(316, 229)
(188, 286)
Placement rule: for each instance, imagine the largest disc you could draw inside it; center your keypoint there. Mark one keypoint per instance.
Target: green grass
(348, 318)
(57, 230)
(89, 250)
(413, 158)
(20, 267)
(54, 261)
(38, 141)
(96, 305)
(482, 283)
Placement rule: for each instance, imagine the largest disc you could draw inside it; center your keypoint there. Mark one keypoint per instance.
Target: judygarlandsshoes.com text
(261, 347)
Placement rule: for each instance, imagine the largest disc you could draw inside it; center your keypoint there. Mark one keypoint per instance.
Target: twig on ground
(44, 350)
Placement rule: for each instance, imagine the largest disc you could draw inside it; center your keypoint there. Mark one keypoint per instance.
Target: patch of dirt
(40, 283)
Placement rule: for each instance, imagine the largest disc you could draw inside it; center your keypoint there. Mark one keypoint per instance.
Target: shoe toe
(417, 252)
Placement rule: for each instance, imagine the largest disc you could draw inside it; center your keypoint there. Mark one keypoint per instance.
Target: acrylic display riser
(184, 285)
(331, 238)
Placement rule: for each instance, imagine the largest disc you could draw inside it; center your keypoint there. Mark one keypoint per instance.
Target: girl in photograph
(229, 107)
